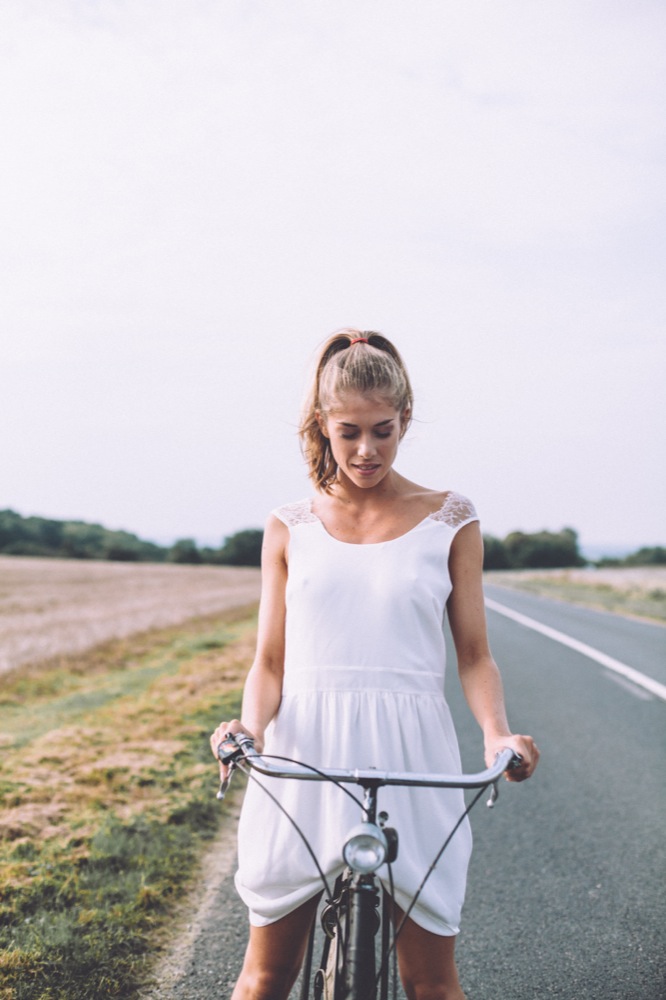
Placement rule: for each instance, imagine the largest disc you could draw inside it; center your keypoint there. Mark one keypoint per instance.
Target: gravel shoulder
(203, 954)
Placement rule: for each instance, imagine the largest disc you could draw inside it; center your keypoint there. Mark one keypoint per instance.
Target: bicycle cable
(392, 952)
(247, 771)
(315, 770)
(433, 865)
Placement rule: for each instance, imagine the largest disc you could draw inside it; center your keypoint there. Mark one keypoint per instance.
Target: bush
(543, 550)
(184, 551)
(242, 549)
(653, 556)
(495, 555)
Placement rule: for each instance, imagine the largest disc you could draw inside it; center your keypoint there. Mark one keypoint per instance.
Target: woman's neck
(392, 487)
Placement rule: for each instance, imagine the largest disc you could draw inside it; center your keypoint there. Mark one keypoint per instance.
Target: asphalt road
(567, 894)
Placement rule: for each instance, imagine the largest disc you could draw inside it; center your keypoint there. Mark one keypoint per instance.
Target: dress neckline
(431, 516)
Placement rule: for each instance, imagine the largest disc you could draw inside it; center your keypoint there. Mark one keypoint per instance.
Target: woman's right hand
(218, 737)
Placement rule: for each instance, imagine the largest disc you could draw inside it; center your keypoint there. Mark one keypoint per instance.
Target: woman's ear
(321, 420)
(405, 417)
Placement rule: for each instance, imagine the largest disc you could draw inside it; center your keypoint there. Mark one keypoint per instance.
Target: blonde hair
(372, 364)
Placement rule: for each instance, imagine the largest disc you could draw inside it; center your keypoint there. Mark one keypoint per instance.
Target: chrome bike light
(365, 848)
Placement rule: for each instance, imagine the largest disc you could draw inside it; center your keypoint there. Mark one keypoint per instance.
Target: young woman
(349, 672)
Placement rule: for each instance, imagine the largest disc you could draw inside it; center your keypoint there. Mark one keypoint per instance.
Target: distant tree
(151, 552)
(44, 533)
(543, 549)
(120, 546)
(184, 551)
(81, 540)
(209, 555)
(647, 556)
(40, 536)
(495, 555)
(11, 529)
(242, 549)
(25, 548)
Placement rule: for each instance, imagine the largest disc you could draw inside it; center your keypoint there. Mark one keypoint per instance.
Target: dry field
(631, 590)
(54, 607)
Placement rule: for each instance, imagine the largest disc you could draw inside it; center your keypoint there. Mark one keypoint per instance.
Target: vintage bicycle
(354, 909)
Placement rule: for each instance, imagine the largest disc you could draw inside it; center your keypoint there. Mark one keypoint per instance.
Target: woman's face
(364, 431)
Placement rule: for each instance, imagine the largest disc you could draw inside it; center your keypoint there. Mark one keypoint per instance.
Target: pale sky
(195, 193)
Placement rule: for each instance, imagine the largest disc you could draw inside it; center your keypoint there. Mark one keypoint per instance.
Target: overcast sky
(195, 193)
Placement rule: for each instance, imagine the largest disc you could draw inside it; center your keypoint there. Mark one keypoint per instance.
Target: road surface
(566, 894)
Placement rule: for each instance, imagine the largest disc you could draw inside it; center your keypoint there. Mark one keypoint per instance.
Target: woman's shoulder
(299, 512)
(455, 510)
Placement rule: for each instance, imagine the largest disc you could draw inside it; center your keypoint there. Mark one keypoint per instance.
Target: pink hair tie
(359, 340)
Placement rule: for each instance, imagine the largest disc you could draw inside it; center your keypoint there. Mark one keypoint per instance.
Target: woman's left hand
(522, 745)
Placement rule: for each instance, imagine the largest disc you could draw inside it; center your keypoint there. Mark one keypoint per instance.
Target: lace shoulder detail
(296, 513)
(455, 511)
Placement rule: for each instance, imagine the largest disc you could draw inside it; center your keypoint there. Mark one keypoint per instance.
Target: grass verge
(108, 794)
(623, 594)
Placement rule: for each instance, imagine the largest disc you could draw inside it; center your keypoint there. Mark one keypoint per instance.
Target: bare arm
(263, 686)
(479, 674)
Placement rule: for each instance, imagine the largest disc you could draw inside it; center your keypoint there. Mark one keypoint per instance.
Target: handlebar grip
(233, 745)
(228, 748)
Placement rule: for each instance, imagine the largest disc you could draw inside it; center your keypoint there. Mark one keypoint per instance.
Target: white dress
(363, 687)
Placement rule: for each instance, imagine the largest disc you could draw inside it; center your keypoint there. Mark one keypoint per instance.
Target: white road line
(635, 676)
(629, 686)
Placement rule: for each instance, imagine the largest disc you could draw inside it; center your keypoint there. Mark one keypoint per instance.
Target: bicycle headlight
(365, 848)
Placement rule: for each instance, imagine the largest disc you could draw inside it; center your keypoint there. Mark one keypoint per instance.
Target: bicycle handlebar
(235, 747)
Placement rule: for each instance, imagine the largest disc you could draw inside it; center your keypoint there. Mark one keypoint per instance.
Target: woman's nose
(366, 447)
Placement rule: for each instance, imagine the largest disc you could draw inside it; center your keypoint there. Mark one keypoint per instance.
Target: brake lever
(229, 752)
(224, 784)
(494, 795)
(494, 789)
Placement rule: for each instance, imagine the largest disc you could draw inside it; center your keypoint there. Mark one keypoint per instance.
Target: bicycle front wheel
(351, 922)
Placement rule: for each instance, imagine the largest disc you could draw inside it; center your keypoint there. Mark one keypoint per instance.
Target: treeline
(39, 536)
(653, 555)
(555, 550)
(540, 550)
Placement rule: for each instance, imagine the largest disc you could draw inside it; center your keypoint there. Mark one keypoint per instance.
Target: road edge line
(630, 673)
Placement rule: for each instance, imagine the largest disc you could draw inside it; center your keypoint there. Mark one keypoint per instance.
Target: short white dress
(363, 687)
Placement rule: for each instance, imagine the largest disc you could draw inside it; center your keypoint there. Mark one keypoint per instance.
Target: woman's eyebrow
(382, 423)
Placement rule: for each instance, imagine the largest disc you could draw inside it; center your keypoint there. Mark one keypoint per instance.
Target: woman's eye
(354, 434)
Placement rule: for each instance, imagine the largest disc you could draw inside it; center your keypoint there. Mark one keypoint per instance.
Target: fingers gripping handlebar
(232, 748)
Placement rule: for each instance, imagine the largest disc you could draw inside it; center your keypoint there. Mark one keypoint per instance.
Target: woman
(349, 672)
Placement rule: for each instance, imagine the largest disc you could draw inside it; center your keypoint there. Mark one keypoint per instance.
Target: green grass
(108, 789)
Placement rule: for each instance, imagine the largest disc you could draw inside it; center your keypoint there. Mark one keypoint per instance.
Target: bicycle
(351, 914)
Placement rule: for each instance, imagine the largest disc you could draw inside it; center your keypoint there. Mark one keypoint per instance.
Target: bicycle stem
(369, 806)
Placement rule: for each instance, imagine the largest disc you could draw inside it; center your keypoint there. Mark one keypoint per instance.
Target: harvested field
(631, 590)
(639, 578)
(55, 607)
